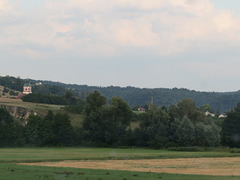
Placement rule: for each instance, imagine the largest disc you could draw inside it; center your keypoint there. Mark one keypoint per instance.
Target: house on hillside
(27, 89)
(207, 113)
(222, 116)
(141, 109)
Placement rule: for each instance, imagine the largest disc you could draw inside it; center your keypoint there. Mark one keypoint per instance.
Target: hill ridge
(219, 101)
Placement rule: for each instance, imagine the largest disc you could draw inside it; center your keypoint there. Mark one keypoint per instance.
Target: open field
(42, 109)
(197, 166)
(135, 160)
(28, 105)
(60, 154)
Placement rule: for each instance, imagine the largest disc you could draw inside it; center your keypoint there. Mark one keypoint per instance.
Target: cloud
(4, 6)
(168, 27)
(157, 37)
(137, 34)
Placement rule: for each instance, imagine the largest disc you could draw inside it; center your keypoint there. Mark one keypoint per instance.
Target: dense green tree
(94, 124)
(52, 130)
(18, 134)
(70, 98)
(185, 132)
(34, 130)
(158, 129)
(6, 128)
(187, 108)
(63, 130)
(46, 99)
(94, 102)
(106, 124)
(117, 117)
(140, 138)
(120, 110)
(48, 136)
(76, 108)
(212, 135)
(231, 128)
(206, 107)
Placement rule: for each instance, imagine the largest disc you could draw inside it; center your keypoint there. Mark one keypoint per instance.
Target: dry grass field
(117, 164)
(20, 103)
(194, 166)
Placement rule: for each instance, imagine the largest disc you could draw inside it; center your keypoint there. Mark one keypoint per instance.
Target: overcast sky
(192, 44)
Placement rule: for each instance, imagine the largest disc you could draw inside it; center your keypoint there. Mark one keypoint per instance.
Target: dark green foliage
(9, 130)
(109, 124)
(118, 116)
(52, 130)
(105, 125)
(63, 130)
(231, 128)
(76, 108)
(181, 125)
(67, 99)
(94, 123)
(50, 89)
(34, 130)
(12, 93)
(48, 135)
(6, 128)
(185, 132)
(47, 99)
(158, 128)
(94, 103)
(221, 102)
(162, 96)
(5, 90)
(12, 83)
(120, 111)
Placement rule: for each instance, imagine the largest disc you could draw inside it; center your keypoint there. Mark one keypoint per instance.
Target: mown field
(10, 169)
(42, 109)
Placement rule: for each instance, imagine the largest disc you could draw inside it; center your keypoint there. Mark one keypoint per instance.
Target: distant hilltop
(219, 102)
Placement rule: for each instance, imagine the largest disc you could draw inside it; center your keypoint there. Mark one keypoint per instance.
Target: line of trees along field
(109, 124)
(220, 102)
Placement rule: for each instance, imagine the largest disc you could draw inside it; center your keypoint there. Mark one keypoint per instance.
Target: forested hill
(220, 102)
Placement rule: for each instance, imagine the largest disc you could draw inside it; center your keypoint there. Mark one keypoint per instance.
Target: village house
(27, 89)
(207, 113)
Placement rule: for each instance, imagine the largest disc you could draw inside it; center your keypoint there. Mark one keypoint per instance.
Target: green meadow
(9, 170)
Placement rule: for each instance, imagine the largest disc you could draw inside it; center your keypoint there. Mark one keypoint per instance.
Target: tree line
(220, 102)
(112, 124)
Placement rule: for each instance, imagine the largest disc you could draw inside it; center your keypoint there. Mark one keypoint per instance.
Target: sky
(191, 44)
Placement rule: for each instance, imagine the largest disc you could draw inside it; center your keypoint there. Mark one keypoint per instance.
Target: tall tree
(158, 129)
(94, 102)
(6, 128)
(48, 136)
(186, 132)
(34, 130)
(231, 128)
(94, 123)
(63, 130)
(117, 117)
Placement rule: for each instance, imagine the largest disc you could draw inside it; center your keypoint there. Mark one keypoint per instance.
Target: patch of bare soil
(197, 166)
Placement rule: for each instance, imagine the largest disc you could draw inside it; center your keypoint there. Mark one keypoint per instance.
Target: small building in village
(27, 89)
(207, 113)
(222, 116)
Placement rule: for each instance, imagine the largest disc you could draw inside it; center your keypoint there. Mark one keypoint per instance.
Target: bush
(12, 93)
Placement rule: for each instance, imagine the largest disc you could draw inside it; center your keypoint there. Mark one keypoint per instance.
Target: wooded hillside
(220, 102)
